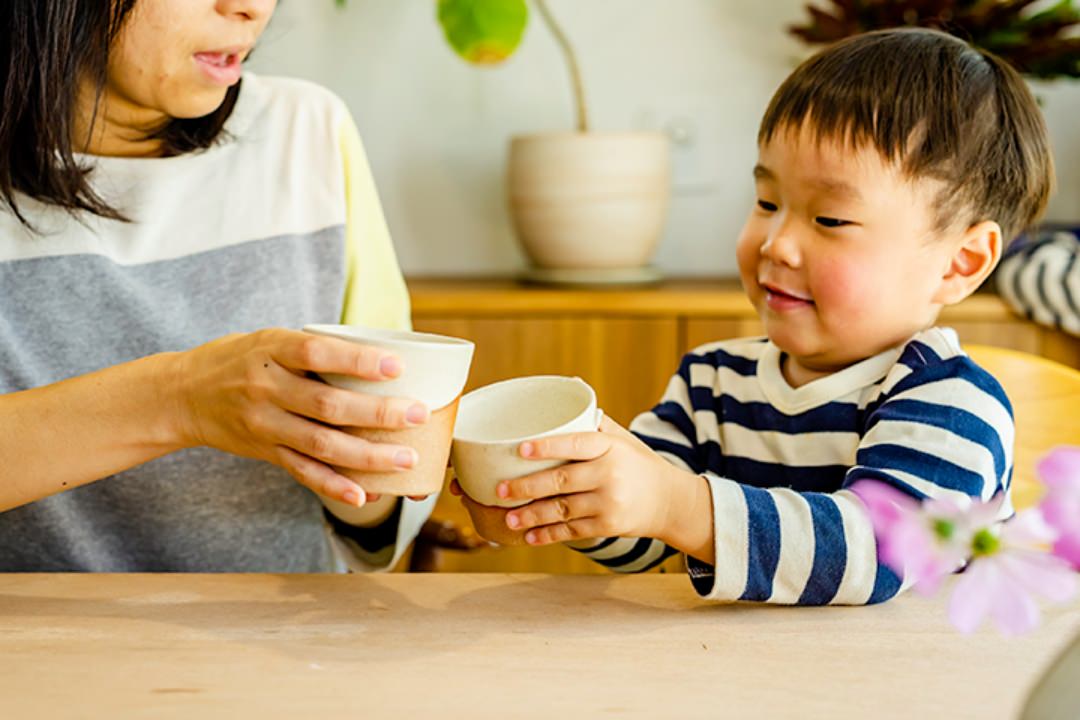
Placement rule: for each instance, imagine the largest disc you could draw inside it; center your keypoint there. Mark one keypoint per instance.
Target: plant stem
(571, 63)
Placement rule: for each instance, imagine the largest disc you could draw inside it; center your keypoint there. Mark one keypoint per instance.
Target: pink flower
(921, 541)
(1007, 575)
(1060, 472)
(1009, 569)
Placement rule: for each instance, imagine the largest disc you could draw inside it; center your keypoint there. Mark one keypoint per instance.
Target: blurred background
(630, 241)
(436, 129)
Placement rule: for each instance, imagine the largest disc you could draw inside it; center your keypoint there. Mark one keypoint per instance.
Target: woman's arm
(73, 432)
(245, 394)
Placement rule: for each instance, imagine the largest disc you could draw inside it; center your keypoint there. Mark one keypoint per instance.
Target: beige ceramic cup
(494, 420)
(436, 368)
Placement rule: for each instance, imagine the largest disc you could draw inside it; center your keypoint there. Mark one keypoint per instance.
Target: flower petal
(1028, 529)
(885, 503)
(981, 515)
(1014, 609)
(1067, 548)
(1060, 467)
(972, 595)
(1040, 573)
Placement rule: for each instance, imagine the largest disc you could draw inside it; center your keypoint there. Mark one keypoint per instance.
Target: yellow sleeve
(375, 292)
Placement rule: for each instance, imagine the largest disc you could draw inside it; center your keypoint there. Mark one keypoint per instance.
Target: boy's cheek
(490, 523)
(842, 286)
(747, 252)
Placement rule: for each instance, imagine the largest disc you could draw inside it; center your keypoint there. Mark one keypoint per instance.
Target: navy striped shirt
(922, 417)
(1040, 279)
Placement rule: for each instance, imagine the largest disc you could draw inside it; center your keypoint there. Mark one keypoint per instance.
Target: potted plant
(588, 207)
(1038, 43)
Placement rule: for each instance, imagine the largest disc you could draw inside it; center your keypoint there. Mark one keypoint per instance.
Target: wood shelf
(720, 297)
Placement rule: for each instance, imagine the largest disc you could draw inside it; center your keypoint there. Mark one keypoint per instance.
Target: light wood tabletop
(488, 646)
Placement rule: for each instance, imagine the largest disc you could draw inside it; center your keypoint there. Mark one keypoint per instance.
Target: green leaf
(483, 31)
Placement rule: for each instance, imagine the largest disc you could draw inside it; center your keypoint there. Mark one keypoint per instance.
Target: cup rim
(407, 338)
(520, 439)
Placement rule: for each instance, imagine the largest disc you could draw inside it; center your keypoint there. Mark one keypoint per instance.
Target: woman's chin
(197, 103)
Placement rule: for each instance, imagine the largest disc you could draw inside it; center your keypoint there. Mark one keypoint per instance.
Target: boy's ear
(975, 258)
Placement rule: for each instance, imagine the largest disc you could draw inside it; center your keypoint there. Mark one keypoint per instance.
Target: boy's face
(839, 255)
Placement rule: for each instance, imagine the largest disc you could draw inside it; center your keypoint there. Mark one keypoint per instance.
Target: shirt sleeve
(375, 296)
(668, 430)
(1040, 279)
(945, 429)
(375, 292)
(380, 547)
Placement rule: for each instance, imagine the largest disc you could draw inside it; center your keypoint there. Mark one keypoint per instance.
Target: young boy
(892, 168)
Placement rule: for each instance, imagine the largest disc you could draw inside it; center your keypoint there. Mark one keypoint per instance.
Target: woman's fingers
(562, 480)
(336, 447)
(320, 478)
(335, 406)
(317, 353)
(552, 511)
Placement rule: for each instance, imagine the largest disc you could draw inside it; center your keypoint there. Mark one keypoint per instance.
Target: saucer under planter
(589, 202)
(614, 277)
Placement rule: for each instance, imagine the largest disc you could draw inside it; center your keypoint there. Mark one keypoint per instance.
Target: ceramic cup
(436, 368)
(494, 420)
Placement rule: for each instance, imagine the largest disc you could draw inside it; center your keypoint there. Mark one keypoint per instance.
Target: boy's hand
(490, 522)
(614, 486)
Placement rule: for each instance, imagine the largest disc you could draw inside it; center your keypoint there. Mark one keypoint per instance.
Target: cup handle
(599, 417)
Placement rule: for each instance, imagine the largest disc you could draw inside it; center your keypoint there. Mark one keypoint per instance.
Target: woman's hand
(250, 395)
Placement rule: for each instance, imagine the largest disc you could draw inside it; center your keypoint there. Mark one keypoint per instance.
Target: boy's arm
(943, 430)
(669, 431)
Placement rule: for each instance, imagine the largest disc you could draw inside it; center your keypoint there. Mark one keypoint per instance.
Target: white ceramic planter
(592, 201)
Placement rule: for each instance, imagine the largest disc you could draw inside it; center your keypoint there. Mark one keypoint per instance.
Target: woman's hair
(938, 107)
(47, 48)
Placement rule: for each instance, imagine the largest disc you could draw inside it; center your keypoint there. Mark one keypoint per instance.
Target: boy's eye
(766, 205)
(831, 222)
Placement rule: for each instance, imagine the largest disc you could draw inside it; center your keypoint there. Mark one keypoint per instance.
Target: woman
(160, 212)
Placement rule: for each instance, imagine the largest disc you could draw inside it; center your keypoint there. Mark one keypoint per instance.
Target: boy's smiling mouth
(780, 299)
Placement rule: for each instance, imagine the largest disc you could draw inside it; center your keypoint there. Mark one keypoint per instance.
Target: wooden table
(487, 646)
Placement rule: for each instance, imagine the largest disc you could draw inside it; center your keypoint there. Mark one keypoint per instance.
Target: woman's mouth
(222, 67)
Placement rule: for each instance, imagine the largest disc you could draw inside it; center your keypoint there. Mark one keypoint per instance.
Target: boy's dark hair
(939, 108)
(46, 47)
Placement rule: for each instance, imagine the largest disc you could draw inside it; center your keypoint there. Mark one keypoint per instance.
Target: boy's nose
(782, 247)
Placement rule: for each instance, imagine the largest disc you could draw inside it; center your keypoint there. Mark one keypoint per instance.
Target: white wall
(436, 129)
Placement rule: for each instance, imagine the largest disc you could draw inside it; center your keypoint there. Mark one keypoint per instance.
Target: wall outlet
(695, 131)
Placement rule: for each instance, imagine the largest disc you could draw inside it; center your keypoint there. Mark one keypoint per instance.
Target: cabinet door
(626, 360)
(700, 331)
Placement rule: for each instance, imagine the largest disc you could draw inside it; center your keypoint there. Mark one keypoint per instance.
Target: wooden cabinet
(626, 343)
(626, 360)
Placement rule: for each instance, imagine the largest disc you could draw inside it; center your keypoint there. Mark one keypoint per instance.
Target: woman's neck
(116, 127)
